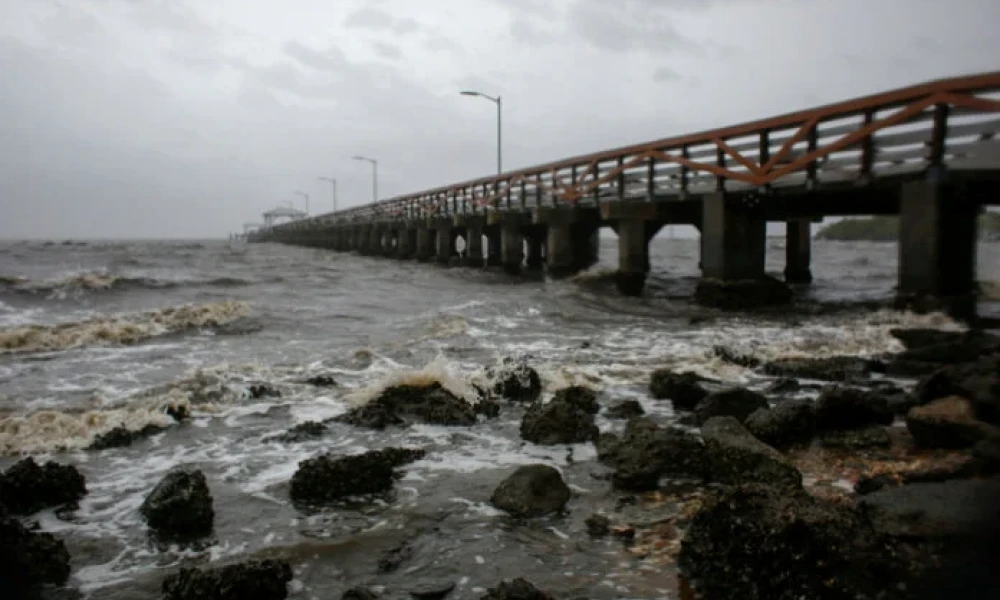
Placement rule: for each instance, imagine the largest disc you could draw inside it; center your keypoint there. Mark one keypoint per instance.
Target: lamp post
(499, 104)
(374, 175)
(306, 196)
(333, 185)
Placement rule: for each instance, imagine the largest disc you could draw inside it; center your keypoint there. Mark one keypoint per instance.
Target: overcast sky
(187, 118)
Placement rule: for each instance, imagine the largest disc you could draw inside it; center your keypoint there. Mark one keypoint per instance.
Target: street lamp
(306, 196)
(333, 184)
(374, 175)
(499, 104)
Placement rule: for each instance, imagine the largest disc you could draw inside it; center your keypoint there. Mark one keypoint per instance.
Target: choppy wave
(97, 281)
(119, 329)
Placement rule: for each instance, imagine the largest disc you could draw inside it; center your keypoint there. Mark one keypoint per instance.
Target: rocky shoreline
(868, 490)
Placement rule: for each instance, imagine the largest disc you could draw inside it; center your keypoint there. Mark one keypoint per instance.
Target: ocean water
(100, 334)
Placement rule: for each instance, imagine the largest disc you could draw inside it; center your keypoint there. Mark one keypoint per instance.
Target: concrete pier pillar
(494, 247)
(511, 247)
(473, 247)
(586, 246)
(633, 256)
(535, 243)
(560, 259)
(937, 249)
(364, 239)
(426, 239)
(445, 244)
(798, 251)
(406, 246)
(733, 238)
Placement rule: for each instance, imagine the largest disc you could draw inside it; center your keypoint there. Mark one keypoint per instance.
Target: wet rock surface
(739, 403)
(626, 409)
(746, 294)
(302, 432)
(598, 525)
(948, 423)
(532, 491)
(978, 382)
(359, 593)
(786, 425)
(120, 437)
(683, 389)
(406, 404)
(874, 436)
(250, 580)
(558, 422)
(733, 456)
(328, 478)
(27, 487)
(931, 346)
(29, 559)
(840, 407)
(263, 390)
(581, 397)
(516, 381)
(835, 368)
(322, 381)
(646, 452)
(431, 589)
(518, 589)
(180, 504)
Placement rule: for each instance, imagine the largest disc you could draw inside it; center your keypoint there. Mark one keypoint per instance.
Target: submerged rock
(626, 409)
(841, 407)
(120, 437)
(742, 295)
(682, 389)
(405, 404)
(647, 452)
(263, 390)
(322, 381)
(359, 593)
(431, 590)
(581, 397)
(29, 559)
(519, 589)
(327, 478)
(301, 432)
(930, 346)
(180, 505)
(558, 423)
(874, 436)
(532, 491)
(26, 487)
(785, 425)
(249, 580)
(978, 382)
(598, 525)
(834, 368)
(784, 385)
(948, 423)
(760, 543)
(734, 457)
(516, 381)
(736, 402)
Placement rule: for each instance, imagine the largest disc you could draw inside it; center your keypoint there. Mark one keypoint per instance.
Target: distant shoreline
(886, 229)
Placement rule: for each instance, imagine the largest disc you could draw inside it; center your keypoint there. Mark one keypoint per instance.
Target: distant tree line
(886, 229)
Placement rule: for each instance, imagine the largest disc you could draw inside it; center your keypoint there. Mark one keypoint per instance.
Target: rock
(874, 436)
(761, 543)
(978, 382)
(249, 580)
(682, 389)
(120, 437)
(784, 385)
(944, 347)
(327, 478)
(532, 491)
(558, 423)
(948, 423)
(359, 593)
(598, 525)
(647, 452)
(734, 457)
(735, 402)
(785, 425)
(180, 505)
(963, 470)
(742, 295)
(942, 508)
(322, 381)
(301, 432)
(519, 589)
(626, 409)
(29, 559)
(404, 404)
(432, 590)
(735, 357)
(263, 390)
(581, 397)
(986, 453)
(841, 407)
(394, 557)
(487, 407)
(26, 487)
(834, 368)
(516, 381)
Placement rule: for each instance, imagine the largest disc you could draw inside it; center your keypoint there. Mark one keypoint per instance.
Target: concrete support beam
(561, 258)
(473, 247)
(733, 238)
(633, 256)
(493, 255)
(586, 246)
(535, 242)
(445, 244)
(937, 248)
(426, 240)
(798, 251)
(406, 246)
(511, 247)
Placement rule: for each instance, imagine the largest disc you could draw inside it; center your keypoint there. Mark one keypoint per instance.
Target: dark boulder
(300, 433)
(833, 368)
(29, 559)
(120, 437)
(841, 407)
(784, 385)
(762, 543)
(430, 589)
(646, 452)
(735, 357)
(787, 424)
(532, 491)
(26, 487)
(405, 404)
(180, 505)
(327, 478)
(516, 381)
(598, 525)
(736, 402)
(558, 423)
(683, 389)
(948, 423)
(626, 409)
(873, 436)
(518, 589)
(734, 457)
(745, 294)
(978, 382)
(263, 390)
(931, 346)
(487, 407)
(394, 557)
(322, 381)
(581, 397)
(250, 580)
(359, 593)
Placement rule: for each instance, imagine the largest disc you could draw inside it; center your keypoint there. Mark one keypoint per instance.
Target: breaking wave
(96, 282)
(120, 329)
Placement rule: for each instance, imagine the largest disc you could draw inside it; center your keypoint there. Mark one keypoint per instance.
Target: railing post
(939, 137)
(650, 179)
(524, 194)
(538, 189)
(621, 178)
(812, 142)
(685, 171)
(720, 161)
(867, 148)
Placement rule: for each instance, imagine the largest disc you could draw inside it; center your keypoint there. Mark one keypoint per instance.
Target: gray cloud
(380, 20)
(332, 59)
(663, 74)
(626, 27)
(388, 51)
